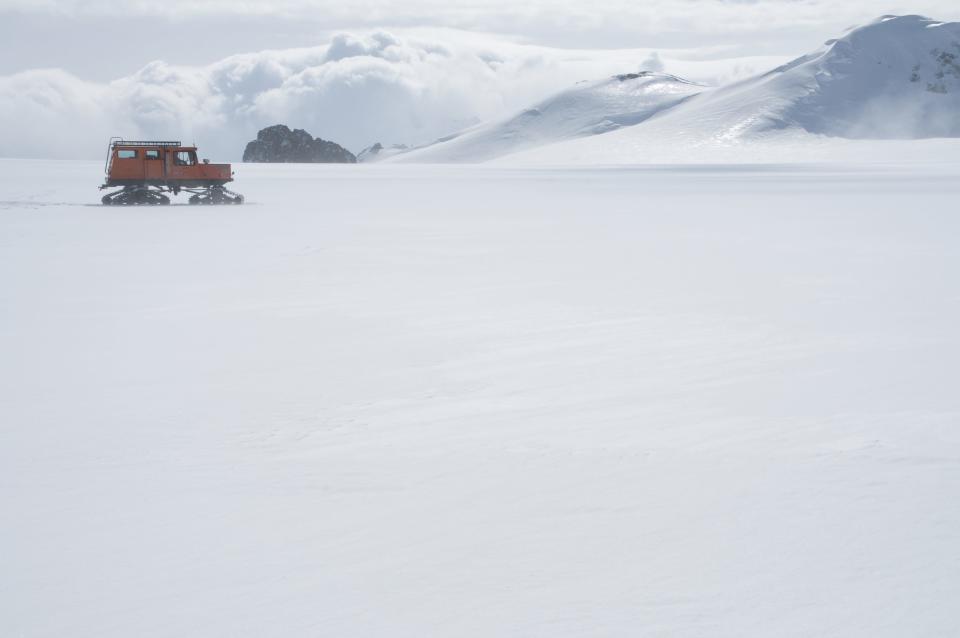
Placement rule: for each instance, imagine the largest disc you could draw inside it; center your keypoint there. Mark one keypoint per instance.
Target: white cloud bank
(356, 90)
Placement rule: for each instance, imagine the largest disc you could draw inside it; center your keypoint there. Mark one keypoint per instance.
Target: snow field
(475, 401)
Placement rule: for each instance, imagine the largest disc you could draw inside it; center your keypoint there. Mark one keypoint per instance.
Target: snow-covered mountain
(589, 108)
(895, 78)
(898, 77)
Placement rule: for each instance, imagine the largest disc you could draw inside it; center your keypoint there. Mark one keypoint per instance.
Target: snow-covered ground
(416, 401)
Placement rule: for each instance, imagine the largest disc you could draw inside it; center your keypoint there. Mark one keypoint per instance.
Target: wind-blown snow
(413, 401)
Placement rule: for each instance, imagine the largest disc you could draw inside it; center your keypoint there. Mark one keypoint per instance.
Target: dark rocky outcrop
(281, 145)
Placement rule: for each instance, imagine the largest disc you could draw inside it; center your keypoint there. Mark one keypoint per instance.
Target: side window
(126, 154)
(151, 154)
(185, 158)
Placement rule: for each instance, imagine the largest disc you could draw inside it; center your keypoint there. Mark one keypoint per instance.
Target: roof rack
(145, 143)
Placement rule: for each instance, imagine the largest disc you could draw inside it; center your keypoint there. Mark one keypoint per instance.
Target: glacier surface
(408, 401)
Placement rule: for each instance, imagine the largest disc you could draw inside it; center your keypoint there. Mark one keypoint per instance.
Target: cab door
(181, 164)
(152, 164)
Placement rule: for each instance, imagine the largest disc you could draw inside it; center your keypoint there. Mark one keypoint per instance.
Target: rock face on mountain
(281, 145)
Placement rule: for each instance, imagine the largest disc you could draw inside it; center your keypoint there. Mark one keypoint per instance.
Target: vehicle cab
(161, 163)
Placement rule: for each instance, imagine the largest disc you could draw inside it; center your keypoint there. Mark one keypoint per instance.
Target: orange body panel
(162, 165)
(153, 168)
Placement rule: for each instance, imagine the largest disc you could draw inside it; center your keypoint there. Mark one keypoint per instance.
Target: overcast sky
(74, 72)
(104, 39)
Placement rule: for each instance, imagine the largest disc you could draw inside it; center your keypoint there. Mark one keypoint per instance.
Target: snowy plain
(408, 401)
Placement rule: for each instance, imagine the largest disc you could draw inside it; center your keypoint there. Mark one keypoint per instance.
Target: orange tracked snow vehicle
(147, 169)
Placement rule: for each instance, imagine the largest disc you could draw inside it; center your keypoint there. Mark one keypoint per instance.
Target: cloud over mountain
(356, 90)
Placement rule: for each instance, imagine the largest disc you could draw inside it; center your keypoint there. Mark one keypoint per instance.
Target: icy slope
(589, 108)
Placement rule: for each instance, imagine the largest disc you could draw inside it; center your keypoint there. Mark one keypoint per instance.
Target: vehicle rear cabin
(147, 169)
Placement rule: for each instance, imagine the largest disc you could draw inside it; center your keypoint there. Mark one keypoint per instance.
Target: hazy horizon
(74, 73)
